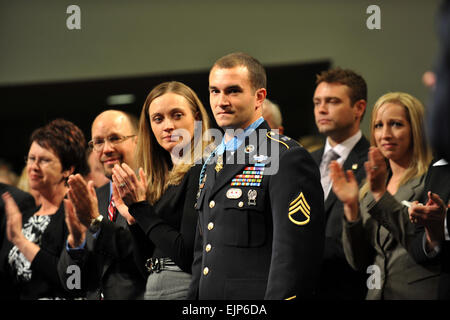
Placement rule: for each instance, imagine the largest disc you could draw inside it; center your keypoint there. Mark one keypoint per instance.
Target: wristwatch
(95, 224)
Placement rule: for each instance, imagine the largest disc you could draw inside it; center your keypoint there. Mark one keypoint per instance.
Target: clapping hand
(376, 172)
(431, 216)
(84, 199)
(346, 189)
(13, 219)
(77, 231)
(121, 206)
(129, 188)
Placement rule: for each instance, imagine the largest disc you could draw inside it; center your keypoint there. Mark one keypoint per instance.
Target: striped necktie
(112, 211)
(325, 171)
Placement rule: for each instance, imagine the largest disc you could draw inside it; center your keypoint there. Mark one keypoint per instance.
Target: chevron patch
(299, 204)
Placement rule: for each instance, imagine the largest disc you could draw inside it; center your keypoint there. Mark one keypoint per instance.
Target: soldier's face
(234, 102)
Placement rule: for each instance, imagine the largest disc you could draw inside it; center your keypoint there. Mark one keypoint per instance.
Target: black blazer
(24, 200)
(167, 229)
(260, 241)
(44, 281)
(108, 268)
(436, 181)
(338, 279)
(26, 204)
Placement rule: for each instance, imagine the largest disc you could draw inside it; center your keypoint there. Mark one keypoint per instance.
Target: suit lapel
(103, 199)
(357, 156)
(317, 156)
(409, 191)
(354, 161)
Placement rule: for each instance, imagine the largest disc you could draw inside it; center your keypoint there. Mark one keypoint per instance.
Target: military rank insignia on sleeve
(299, 204)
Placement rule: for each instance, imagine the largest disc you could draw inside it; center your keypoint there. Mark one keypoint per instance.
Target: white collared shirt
(343, 149)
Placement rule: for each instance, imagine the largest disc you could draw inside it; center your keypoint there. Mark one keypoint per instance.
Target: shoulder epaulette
(282, 139)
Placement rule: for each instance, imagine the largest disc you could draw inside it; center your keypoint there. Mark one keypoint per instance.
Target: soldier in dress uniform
(261, 221)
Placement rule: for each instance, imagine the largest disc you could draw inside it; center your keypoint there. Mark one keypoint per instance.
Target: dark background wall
(128, 46)
(30, 106)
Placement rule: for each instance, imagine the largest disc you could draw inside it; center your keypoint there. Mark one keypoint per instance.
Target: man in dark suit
(439, 110)
(431, 244)
(339, 106)
(260, 230)
(99, 240)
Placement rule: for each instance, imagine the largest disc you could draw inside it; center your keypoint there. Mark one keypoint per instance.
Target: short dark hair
(356, 83)
(67, 141)
(257, 74)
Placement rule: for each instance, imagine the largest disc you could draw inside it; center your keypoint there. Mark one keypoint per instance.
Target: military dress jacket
(261, 222)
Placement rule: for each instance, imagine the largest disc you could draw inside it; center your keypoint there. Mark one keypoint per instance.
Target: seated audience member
(272, 114)
(377, 230)
(311, 142)
(24, 185)
(96, 172)
(7, 175)
(162, 201)
(36, 237)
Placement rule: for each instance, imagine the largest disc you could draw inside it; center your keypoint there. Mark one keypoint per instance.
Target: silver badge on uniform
(234, 193)
(260, 158)
(252, 197)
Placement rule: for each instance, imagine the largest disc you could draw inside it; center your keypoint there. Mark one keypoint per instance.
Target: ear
(359, 108)
(260, 94)
(197, 116)
(68, 172)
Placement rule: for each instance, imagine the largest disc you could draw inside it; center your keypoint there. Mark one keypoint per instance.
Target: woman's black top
(169, 226)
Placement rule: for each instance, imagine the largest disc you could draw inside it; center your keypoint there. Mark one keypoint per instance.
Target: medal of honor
(219, 163)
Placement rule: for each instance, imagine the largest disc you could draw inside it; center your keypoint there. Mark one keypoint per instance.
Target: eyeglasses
(41, 162)
(98, 144)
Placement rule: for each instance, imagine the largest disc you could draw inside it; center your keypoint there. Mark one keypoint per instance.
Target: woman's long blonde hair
(153, 158)
(415, 113)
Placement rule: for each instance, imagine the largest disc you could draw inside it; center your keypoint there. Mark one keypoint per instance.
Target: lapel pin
(355, 166)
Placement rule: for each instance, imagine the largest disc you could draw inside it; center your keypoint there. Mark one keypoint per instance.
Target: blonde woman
(377, 230)
(161, 201)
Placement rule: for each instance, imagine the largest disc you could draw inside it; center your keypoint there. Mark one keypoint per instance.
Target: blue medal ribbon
(231, 145)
